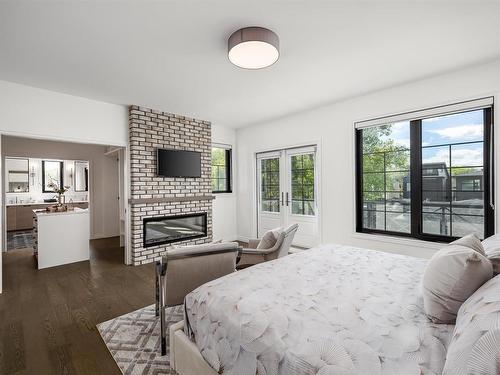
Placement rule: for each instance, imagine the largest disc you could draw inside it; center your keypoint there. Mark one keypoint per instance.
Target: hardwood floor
(48, 318)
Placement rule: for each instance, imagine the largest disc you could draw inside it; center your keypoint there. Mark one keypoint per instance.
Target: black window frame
(416, 221)
(228, 157)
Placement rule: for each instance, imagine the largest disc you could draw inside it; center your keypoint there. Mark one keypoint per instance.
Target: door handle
(287, 201)
(282, 199)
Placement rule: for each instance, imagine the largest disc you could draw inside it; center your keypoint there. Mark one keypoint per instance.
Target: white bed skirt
(185, 358)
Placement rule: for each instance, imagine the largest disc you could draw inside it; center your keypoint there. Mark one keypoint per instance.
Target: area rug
(19, 239)
(133, 340)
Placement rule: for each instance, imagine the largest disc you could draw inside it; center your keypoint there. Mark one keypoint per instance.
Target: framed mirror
(18, 179)
(81, 176)
(52, 172)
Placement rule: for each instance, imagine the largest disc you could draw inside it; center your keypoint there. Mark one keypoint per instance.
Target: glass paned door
(287, 193)
(302, 175)
(269, 192)
(270, 184)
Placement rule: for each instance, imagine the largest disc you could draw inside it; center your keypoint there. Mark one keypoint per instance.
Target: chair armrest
(253, 243)
(200, 250)
(258, 251)
(250, 257)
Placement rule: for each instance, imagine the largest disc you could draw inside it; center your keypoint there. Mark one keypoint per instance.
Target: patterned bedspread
(333, 310)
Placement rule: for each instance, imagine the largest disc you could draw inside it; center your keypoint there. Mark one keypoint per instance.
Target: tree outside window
(221, 170)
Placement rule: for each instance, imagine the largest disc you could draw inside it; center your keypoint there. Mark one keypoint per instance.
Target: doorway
(287, 193)
(93, 177)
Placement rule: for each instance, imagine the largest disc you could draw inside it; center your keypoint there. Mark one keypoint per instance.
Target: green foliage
(303, 184)
(218, 156)
(219, 178)
(465, 170)
(381, 155)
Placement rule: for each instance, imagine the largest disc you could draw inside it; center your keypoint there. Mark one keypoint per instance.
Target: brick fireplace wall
(153, 195)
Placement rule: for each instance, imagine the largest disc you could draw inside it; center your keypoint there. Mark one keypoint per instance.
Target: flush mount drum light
(253, 48)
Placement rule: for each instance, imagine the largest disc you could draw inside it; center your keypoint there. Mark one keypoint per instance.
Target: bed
(330, 310)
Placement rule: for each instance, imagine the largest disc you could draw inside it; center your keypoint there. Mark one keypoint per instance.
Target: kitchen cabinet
(20, 217)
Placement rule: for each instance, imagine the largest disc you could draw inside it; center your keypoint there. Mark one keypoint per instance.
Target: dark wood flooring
(48, 318)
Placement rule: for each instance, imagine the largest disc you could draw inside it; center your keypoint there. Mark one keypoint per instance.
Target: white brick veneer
(148, 130)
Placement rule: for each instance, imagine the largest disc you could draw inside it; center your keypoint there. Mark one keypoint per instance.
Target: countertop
(41, 213)
(40, 203)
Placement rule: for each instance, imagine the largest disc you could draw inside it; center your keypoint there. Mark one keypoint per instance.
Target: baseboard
(102, 236)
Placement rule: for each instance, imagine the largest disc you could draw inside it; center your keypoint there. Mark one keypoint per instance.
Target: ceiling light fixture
(253, 48)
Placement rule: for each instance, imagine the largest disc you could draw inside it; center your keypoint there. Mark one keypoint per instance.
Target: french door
(288, 193)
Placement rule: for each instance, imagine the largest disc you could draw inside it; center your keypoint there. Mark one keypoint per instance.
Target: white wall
(103, 176)
(29, 111)
(333, 127)
(224, 205)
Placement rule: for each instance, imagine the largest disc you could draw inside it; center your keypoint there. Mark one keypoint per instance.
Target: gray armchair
(251, 255)
(182, 270)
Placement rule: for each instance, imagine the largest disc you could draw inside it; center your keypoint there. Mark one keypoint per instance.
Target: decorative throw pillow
(269, 239)
(475, 345)
(471, 241)
(491, 247)
(451, 276)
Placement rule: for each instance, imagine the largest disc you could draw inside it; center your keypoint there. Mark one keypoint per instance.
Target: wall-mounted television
(178, 163)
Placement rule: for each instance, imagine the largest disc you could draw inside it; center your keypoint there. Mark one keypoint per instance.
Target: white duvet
(333, 310)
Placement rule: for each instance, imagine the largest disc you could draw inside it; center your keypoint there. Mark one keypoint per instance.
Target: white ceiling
(171, 55)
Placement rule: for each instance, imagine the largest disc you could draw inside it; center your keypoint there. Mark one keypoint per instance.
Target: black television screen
(178, 163)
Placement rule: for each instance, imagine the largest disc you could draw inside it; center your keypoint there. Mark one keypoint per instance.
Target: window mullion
(359, 179)
(488, 180)
(385, 190)
(416, 177)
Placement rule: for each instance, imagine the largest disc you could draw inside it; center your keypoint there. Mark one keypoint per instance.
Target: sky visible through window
(461, 127)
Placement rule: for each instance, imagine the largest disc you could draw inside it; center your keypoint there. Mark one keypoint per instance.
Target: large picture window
(427, 177)
(221, 169)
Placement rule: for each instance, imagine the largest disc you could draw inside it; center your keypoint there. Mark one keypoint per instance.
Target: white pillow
(450, 277)
(472, 241)
(491, 247)
(475, 345)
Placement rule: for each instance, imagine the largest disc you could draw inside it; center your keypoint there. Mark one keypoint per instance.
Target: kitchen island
(20, 212)
(61, 237)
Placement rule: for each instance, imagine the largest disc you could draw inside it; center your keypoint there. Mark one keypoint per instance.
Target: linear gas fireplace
(168, 229)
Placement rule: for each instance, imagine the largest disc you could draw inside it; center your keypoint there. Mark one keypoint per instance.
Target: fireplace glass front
(168, 229)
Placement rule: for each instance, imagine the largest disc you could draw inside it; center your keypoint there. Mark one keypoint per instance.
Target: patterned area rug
(19, 239)
(134, 340)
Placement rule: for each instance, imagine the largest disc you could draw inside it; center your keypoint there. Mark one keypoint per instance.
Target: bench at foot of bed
(185, 358)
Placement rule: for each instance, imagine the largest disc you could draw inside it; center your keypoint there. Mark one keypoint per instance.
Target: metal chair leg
(157, 287)
(163, 336)
(162, 267)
